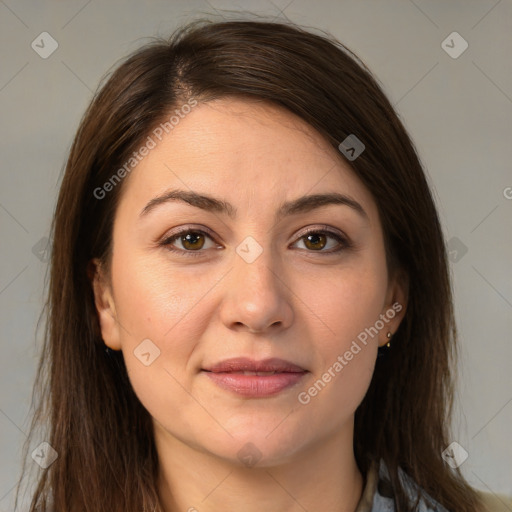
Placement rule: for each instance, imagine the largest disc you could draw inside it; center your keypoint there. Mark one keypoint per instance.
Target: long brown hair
(103, 435)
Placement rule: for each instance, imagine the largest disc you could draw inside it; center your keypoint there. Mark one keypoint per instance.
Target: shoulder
(495, 502)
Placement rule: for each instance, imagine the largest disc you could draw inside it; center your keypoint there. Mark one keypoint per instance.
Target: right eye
(191, 240)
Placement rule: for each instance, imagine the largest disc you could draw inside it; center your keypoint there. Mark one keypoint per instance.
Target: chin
(265, 446)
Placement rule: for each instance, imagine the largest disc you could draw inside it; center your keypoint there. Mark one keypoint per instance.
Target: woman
(249, 304)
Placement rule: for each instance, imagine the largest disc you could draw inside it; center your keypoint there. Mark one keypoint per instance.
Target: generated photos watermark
(137, 156)
(304, 397)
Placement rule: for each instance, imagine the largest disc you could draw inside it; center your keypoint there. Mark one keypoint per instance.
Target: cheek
(346, 357)
(160, 314)
(156, 301)
(349, 306)
(350, 302)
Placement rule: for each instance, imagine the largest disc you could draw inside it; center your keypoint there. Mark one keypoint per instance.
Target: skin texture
(294, 302)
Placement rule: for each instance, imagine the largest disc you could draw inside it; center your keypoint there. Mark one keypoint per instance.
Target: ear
(395, 306)
(105, 306)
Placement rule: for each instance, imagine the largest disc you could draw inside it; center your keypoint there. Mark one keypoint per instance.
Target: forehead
(247, 152)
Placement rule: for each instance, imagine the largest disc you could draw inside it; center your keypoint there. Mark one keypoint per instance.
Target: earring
(382, 351)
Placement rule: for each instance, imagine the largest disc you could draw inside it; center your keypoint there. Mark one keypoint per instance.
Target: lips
(242, 364)
(255, 379)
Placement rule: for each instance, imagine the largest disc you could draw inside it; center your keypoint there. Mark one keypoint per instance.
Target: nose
(256, 296)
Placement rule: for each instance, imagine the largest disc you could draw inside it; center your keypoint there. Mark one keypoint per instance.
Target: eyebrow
(302, 204)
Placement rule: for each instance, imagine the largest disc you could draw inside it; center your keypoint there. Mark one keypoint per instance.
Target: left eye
(193, 240)
(316, 240)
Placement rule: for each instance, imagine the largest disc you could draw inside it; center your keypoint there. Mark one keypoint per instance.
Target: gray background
(458, 111)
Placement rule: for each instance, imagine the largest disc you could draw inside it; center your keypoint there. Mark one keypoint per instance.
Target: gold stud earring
(381, 352)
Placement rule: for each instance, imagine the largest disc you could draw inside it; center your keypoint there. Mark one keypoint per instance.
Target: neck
(319, 478)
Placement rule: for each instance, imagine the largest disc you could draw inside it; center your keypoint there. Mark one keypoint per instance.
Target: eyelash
(167, 242)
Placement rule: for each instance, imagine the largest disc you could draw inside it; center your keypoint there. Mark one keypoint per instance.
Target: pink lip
(229, 375)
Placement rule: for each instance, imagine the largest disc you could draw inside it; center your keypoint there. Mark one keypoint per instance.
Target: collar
(378, 492)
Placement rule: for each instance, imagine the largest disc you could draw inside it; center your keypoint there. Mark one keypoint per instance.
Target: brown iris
(192, 238)
(315, 238)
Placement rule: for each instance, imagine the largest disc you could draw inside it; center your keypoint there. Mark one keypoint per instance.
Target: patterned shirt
(378, 494)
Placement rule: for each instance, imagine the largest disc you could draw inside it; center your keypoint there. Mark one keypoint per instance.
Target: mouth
(255, 379)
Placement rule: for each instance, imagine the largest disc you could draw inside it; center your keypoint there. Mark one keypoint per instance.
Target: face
(245, 276)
